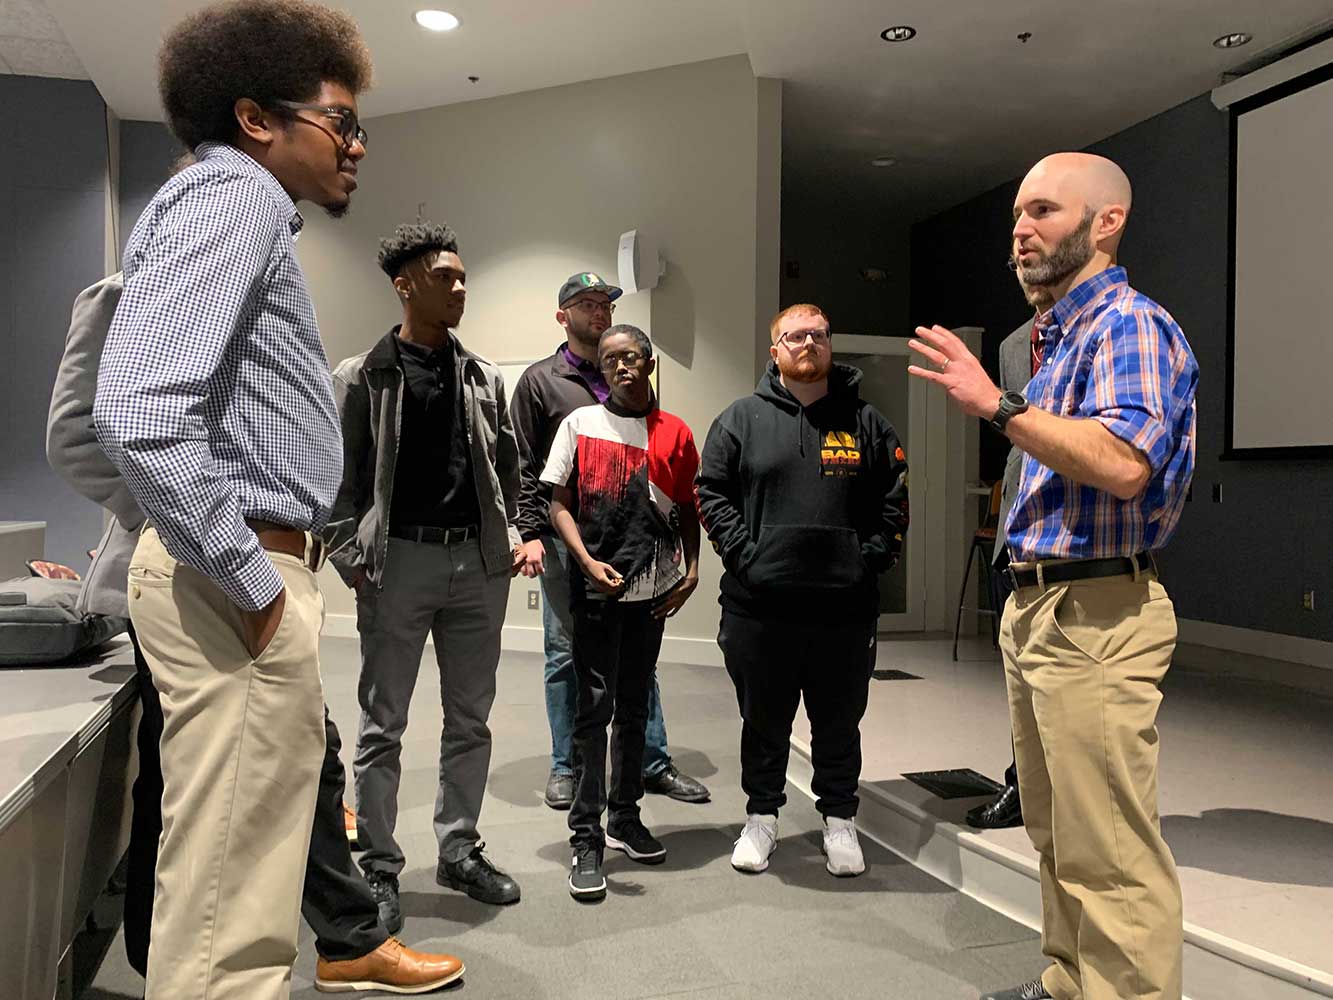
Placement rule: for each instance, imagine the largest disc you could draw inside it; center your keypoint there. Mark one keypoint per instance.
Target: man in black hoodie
(802, 489)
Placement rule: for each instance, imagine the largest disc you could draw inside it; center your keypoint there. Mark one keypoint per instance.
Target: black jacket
(806, 506)
(549, 391)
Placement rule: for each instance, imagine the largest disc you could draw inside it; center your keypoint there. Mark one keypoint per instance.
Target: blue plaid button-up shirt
(214, 398)
(1115, 356)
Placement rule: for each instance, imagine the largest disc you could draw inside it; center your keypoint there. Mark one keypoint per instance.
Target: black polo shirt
(433, 481)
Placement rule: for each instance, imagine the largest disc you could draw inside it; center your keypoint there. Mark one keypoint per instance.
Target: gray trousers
(442, 590)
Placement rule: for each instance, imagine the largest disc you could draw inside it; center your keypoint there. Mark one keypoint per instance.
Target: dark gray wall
(831, 236)
(52, 213)
(147, 151)
(1243, 562)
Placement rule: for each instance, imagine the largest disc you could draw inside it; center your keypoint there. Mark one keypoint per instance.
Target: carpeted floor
(692, 927)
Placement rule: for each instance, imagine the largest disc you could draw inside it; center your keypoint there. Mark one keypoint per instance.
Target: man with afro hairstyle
(215, 403)
(424, 532)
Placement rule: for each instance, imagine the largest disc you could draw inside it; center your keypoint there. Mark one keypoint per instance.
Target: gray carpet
(692, 927)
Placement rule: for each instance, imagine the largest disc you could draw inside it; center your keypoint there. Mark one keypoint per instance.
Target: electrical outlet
(534, 600)
(1307, 600)
(1217, 492)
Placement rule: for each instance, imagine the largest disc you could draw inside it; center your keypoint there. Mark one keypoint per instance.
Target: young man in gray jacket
(423, 530)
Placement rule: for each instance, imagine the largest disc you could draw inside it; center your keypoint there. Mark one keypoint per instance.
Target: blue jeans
(562, 689)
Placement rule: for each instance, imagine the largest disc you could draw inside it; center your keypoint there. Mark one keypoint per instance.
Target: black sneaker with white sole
(586, 881)
(633, 838)
(1028, 991)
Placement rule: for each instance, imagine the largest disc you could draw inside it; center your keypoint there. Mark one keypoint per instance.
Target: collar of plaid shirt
(1113, 355)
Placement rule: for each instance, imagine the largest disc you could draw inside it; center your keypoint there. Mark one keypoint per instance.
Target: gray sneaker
(559, 790)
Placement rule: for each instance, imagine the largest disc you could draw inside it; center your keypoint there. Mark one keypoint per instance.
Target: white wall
(541, 184)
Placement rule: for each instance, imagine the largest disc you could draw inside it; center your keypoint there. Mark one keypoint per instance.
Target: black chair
(983, 544)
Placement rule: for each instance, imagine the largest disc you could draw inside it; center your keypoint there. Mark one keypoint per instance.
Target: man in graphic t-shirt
(622, 478)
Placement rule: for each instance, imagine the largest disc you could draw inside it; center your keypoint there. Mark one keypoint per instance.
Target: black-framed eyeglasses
(349, 128)
(593, 305)
(629, 359)
(797, 338)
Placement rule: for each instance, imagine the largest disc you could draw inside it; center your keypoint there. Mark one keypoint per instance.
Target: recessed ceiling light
(1233, 40)
(436, 20)
(898, 33)
(883, 161)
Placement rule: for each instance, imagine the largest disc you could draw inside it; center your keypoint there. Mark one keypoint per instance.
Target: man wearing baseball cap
(546, 393)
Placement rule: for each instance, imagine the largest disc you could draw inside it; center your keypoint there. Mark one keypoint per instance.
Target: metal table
(67, 761)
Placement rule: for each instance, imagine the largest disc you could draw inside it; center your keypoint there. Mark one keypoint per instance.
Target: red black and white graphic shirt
(630, 475)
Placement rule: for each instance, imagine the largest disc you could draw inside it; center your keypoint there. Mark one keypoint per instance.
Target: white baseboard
(528, 639)
(1252, 642)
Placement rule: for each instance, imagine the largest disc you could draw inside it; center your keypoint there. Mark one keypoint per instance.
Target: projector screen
(1280, 362)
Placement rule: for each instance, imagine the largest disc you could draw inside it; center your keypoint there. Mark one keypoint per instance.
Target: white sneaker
(756, 842)
(842, 847)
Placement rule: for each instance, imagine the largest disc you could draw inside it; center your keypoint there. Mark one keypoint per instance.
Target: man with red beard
(802, 488)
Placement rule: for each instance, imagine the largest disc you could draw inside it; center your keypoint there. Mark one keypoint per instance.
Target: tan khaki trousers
(1083, 662)
(242, 744)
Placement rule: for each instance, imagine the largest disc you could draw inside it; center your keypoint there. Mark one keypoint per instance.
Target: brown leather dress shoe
(392, 968)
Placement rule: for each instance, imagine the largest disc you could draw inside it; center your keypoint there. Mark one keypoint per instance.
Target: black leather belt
(433, 536)
(1080, 569)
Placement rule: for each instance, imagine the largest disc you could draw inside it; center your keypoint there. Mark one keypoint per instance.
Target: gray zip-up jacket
(369, 392)
(73, 450)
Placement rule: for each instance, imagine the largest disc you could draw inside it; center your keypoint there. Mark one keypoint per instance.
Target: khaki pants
(242, 744)
(1083, 662)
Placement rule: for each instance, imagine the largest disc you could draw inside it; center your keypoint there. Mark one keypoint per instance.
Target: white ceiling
(962, 107)
(512, 45)
(32, 44)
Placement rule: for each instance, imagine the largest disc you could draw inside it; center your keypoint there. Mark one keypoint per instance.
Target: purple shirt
(590, 373)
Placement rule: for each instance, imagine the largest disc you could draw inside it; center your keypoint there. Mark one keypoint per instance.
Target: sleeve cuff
(256, 585)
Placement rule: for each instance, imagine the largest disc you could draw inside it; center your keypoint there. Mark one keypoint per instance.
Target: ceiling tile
(28, 19)
(34, 57)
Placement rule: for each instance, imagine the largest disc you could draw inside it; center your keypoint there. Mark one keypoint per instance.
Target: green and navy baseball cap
(586, 281)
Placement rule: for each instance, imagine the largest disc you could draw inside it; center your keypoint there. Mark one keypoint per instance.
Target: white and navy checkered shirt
(214, 398)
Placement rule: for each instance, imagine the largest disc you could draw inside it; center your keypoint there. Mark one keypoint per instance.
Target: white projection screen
(1280, 362)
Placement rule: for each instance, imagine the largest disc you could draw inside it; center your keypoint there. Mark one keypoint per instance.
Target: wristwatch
(1011, 405)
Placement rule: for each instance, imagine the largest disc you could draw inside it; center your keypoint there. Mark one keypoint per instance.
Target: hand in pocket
(259, 627)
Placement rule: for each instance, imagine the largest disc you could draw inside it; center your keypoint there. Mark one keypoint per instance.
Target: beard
(807, 366)
(580, 328)
(1070, 256)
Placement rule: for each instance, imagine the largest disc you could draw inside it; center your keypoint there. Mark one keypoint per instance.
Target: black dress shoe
(384, 887)
(671, 782)
(480, 879)
(559, 790)
(1028, 991)
(1001, 812)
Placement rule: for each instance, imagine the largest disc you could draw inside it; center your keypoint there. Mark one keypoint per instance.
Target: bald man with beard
(1107, 426)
